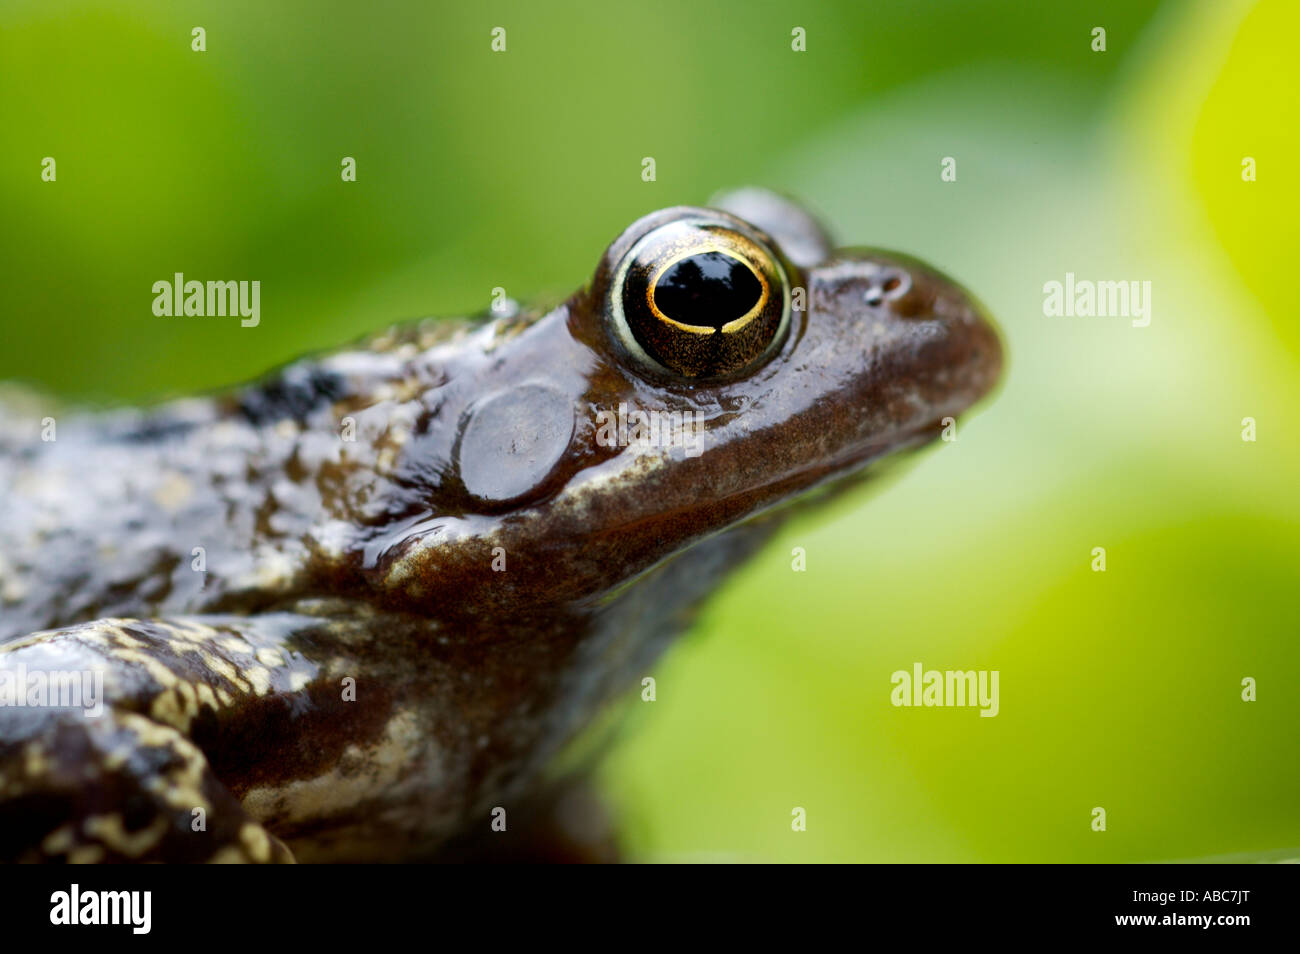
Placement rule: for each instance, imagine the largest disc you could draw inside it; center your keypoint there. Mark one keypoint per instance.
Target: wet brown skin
(373, 560)
(849, 385)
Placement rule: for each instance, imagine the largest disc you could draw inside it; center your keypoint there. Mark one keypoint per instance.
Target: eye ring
(700, 298)
(729, 327)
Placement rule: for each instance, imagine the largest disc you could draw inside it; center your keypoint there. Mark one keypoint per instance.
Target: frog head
(721, 362)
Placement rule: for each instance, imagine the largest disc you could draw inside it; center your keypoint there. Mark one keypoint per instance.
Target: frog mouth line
(851, 469)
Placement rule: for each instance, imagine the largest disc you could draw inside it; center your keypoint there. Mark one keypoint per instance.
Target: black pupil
(709, 289)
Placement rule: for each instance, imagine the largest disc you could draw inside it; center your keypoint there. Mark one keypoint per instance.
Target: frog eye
(697, 298)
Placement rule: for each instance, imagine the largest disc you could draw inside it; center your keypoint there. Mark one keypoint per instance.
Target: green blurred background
(1118, 689)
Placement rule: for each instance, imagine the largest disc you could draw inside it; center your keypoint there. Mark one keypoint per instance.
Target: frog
(362, 608)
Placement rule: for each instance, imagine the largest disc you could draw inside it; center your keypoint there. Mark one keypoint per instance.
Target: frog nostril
(887, 285)
(897, 285)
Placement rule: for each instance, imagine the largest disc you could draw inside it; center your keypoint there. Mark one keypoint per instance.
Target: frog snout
(923, 332)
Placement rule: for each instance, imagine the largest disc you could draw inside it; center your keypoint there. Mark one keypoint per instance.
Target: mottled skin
(342, 548)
